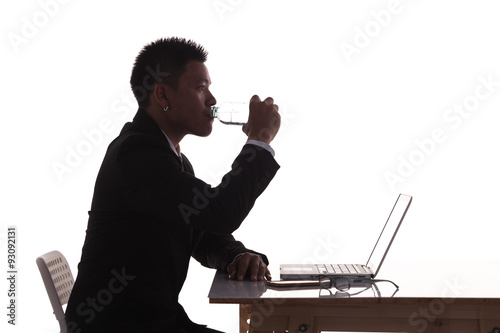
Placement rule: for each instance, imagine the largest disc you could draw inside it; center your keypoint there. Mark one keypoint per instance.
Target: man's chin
(204, 132)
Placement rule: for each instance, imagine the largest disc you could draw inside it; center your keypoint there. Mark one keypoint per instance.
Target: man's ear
(161, 92)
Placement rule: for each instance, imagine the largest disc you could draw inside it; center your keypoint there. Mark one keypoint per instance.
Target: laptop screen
(388, 233)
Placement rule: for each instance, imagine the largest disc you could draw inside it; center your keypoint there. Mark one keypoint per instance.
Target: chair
(58, 280)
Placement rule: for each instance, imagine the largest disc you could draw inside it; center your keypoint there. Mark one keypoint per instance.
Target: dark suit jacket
(149, 215)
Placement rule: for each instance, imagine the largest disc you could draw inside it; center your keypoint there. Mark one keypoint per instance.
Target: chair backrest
(58, 280)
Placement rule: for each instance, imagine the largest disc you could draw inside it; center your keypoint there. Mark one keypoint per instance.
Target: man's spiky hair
(162, 61)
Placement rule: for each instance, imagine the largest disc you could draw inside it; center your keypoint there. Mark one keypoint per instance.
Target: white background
(349, 119)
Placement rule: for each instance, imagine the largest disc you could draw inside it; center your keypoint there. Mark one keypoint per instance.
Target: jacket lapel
(143, 123)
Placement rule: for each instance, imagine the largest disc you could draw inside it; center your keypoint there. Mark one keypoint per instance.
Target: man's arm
(225, 253)
(154, 184)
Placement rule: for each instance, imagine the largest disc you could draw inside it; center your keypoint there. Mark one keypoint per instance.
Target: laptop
(375, 260)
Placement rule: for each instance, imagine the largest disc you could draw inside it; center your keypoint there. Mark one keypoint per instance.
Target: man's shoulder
(133, 131)
(135, 141)
(142, 128)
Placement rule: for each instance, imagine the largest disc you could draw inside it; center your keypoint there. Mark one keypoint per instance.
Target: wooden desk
(436, 298)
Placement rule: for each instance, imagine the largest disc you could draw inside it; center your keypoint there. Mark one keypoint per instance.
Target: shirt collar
(178, 153)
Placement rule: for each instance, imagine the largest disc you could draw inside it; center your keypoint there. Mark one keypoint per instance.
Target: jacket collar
(142, 122)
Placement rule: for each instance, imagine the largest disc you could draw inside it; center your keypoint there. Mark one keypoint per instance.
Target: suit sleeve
(154, 183)
(218, 251)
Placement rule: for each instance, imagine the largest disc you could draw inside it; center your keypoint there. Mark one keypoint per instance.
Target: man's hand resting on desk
(248, 265)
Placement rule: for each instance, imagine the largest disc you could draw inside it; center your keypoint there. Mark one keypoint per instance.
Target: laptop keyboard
(342, 269)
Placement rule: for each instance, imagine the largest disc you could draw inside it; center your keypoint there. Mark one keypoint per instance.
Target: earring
(166, 108)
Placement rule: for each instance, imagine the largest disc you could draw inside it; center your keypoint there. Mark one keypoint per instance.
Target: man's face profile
(190, 102)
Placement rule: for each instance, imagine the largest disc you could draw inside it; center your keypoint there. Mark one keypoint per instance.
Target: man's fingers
(255, 98)
(255, 268)
(248, 265)
(243, 266)
(264, 120)
(262, 271)
(269, 101)
(268, 274)
(231, 271)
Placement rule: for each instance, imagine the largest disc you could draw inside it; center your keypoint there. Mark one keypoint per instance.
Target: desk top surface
(451, 281)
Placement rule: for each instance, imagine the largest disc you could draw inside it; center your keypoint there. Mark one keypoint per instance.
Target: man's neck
(173, 134)
(175, 148)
